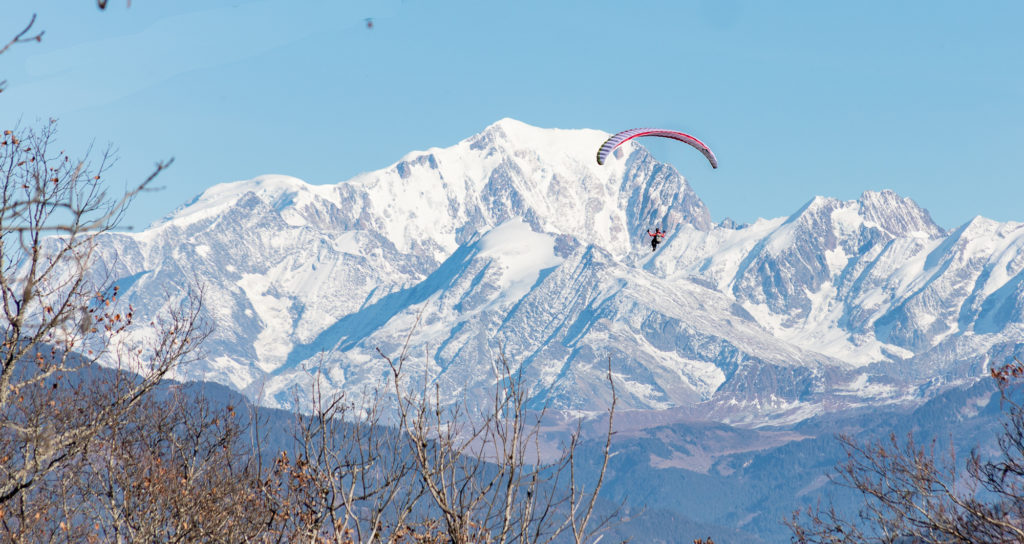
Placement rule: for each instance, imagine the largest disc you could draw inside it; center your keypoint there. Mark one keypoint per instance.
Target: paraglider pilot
(656, 237)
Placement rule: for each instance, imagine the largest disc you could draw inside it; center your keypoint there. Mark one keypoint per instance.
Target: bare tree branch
(24, 36)
(482, 470)
(59, 316)
(913, 493)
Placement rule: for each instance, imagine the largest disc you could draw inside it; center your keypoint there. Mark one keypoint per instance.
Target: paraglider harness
(656, 237)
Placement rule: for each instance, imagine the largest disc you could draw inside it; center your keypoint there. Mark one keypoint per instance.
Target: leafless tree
(914, 493)
(344, 480)
(172, 469)
(404, 466)
(483, 469)
(60, 318)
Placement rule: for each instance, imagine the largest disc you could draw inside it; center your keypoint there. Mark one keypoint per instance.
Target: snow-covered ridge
(439, 195)
(515, 241)
(283, 192)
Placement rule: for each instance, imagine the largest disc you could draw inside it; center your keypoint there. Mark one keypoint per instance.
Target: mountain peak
(509, 125)
(901, 216)
(550, 144)
(887, 210)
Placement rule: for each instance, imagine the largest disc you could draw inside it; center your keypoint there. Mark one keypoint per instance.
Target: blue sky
(797, 98)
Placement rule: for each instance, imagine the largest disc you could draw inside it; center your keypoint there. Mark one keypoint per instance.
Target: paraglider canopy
(616, 140)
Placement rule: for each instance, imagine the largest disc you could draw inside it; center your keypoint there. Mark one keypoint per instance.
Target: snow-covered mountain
(515, 242)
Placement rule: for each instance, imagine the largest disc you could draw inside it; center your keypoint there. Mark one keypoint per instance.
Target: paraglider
(657, 237)
(616, 140)
(613, 142)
